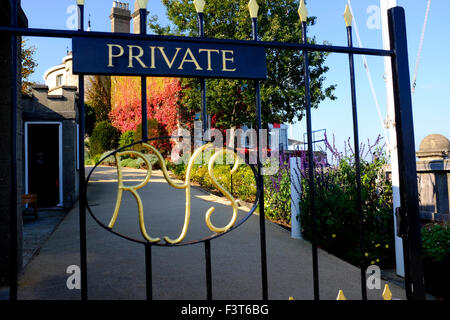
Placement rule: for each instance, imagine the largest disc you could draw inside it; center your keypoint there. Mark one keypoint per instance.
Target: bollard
(296, 189)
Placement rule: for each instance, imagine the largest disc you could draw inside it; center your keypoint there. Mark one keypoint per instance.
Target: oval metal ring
(214, 236)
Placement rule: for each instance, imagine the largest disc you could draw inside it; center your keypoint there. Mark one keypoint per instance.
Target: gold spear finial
(302, 12)
(142, 4)
(348, 17)
(341, 295)
(199, 5)
(253, 8)
(387, 294)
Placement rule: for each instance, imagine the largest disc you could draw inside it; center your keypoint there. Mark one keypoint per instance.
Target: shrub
(104, 137)
(244, 184)
(90, 119)
(130, 163)
(96, 159)
(140, 163)
(277, 196)
(154, 130)
(337, 217)
(126, 138)
(436, 241)
(436, 256)
(110, 161)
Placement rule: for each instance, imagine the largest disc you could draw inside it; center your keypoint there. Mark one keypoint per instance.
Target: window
(59, 80)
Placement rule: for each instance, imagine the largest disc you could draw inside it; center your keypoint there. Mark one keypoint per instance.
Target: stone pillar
(5, 145)
(120, 17)
(433, 173)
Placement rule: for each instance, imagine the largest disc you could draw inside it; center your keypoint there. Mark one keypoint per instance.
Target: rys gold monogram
(201, 59)
(186, 185)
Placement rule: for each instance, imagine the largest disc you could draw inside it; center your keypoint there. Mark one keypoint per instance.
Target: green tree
(98, 95)
(232, 101)
(90, 119)
(29, 64)
(104, 138)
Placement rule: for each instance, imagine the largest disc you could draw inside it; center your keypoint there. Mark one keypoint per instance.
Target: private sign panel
(164, 58)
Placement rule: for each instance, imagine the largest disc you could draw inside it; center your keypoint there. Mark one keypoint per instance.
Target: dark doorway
(43, 163)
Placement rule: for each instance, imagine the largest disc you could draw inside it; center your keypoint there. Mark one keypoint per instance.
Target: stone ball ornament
(434, 147)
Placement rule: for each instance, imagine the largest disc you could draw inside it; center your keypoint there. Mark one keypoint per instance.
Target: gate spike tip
(348, 17)
(199, 5)
(253, 8)
(291, 298)
(341, 295)
(143, 4)
(387, 294)
(302, 12)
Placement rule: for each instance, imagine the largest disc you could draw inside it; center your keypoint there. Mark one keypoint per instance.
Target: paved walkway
(116, 266)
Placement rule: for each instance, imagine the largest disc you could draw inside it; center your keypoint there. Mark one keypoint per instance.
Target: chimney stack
(120, 17)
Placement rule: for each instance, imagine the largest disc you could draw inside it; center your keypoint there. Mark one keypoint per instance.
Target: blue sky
(430, 102)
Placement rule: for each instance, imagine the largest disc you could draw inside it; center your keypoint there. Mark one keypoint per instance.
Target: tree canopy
(29, 64)
(162, 102)
(98, 95)
(231, 102)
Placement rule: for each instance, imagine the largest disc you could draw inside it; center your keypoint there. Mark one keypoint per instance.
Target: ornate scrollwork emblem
(185, 185)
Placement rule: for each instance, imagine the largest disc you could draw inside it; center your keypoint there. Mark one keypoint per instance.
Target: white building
(61, 75)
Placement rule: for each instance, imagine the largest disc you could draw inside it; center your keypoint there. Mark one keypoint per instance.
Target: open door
(44, 163)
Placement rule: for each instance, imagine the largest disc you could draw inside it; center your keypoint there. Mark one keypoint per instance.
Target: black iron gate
(408, 214)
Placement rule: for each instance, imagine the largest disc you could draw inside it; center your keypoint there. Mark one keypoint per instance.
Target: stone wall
(434, 192)
(5, 145)
(433, 174)
(433, 178)
(65, 71)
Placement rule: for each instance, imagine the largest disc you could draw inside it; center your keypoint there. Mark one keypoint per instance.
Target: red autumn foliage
(162, 102)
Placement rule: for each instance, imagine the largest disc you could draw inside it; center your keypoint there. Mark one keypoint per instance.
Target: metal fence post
(409, 199)
(144, 116)
(357, 157)
(262, 217)
(82, 186)
(14, 250)
(311, 169)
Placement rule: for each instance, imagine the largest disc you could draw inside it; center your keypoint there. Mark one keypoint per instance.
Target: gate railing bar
(14, 250)
(262, 219)
(143, 31)
(82, 184)
(208, 271)
(33, 32)
(148, 271)
(310, 162)
(201, 33)
(409, 199)
(144, 135)
(357, 161)
(204, 112)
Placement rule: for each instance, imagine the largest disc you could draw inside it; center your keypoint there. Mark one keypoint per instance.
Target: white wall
(68, 78)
